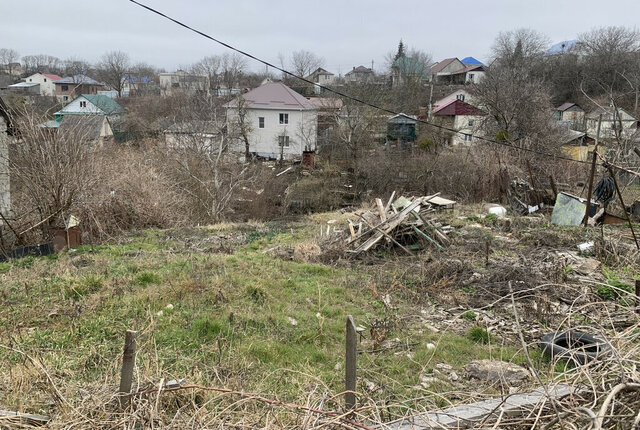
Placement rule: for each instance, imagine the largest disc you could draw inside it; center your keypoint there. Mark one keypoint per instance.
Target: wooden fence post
(128, 364)
(638, 295)
(350, 364)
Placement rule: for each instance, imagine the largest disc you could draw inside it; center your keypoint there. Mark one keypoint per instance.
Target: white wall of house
(608, 127)
(456, 95)
(301, 131)
(467, 124)
(474, 76)
(81, 105)
(5, 188)
(47, 87)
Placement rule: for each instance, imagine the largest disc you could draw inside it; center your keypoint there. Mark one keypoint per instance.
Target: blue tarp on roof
(470, 61)
(561, 47)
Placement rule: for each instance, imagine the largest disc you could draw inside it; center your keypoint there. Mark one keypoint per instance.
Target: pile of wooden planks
(401, 223)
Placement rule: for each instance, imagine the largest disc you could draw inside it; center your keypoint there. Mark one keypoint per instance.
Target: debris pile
(402, 223)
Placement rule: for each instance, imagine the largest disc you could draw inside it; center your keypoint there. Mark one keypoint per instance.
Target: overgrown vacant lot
(261, 308)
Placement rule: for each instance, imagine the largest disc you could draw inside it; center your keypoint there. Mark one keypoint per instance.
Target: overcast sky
(345, 33)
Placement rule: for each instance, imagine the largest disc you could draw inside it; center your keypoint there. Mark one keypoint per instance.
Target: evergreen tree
(400, 52)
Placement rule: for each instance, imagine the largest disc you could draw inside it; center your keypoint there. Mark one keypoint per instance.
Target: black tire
(575, 346)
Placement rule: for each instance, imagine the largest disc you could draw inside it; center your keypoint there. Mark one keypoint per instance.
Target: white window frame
(284, 118)
(468, 138)
(83, 103)
(260, 122)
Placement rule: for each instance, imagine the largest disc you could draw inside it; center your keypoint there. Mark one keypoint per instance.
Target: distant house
(91, 104)
(322, 77)
(196, 133)
(72, 86)
(135, 85)
(454, 71)
(461, 94)
(401, 128)
(576, 144)
(616, 123)
(328, 114)
(359, 75)
(406, 69)
(282, 122)
(25, 88)
(460, 116)
(46, 81)
(569, 112)
(563, 47)
(94, 129)
(181, 81)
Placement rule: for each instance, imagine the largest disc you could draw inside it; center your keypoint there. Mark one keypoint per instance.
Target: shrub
(479, 335)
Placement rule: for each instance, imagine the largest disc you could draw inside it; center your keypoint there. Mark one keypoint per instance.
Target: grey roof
(85, 126)
(609, 114)
(193, 127)
(567, 105)
(274, 95)
(24, 84)
(78, 79)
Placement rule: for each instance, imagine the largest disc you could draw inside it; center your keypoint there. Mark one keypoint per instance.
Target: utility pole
(593, 168)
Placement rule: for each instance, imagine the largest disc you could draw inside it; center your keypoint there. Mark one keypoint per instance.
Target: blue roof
(561, 47)
(470, 61)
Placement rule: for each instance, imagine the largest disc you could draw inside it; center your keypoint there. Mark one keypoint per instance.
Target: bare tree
(233, 66)
(74, 66)
(304, 63)
(210, 66)
(611, 60)
(517, 46)
(40, 63)
(112, 68)
(50, 172)
(200, 161)
(7, 59)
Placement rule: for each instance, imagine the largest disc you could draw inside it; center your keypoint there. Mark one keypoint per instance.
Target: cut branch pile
(403, 223)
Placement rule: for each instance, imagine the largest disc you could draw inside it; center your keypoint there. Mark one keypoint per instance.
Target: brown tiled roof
(437, 68)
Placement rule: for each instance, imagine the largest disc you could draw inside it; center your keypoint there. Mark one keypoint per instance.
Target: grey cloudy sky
(346, 33)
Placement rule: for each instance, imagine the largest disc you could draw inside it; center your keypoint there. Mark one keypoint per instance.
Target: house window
(283, 141)
(65, 98)
(460, 97)
(65, 88)
(83, 104)
(45, 79)
(30, 80)
(470, 123)
(284, 118)
(468, 138)
(260, 122)
(471, 77)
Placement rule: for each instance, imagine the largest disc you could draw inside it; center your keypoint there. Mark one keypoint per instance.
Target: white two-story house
(281, 122)
(46, 81)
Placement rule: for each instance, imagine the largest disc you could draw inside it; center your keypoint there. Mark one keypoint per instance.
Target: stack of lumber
(402, 223)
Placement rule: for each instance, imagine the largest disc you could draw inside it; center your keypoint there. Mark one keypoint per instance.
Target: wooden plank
(388, 206)
(19, 417)
(381, 211)
(351, 357)
(391, 223)
(389, 237)
(128, 364)
(465, 416)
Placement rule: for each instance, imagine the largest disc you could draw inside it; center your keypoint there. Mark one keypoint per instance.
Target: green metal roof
(104, 103)
(411, 66)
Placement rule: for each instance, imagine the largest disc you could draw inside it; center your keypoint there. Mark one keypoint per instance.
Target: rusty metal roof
(457, 107)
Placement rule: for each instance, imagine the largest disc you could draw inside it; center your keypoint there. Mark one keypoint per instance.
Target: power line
(364, 102)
